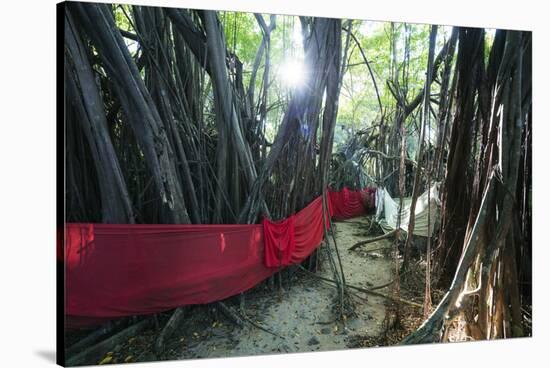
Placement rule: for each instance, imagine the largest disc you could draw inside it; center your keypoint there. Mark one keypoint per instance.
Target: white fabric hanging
(387, 211)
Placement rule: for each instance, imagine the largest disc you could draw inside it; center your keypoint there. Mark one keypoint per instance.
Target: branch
(397, 158)
(438, 60)
(192, 35)
(129, 35)
(370, 70)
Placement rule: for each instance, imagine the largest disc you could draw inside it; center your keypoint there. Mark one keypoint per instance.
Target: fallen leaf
(128, 358)
(106, 360)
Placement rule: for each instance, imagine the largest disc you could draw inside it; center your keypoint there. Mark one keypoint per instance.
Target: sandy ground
(302, 313)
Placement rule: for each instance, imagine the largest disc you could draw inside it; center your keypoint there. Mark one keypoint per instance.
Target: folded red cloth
(279, 242)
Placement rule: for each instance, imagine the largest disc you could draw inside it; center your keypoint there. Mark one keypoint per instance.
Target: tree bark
(83, 93)
(138, 106)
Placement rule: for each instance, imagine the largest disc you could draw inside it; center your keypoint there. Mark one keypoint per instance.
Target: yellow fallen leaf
(106, 360)
(128, 358)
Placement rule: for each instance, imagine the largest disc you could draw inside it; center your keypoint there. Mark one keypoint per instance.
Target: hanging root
(372, 240)
(93, 337)
(96, 351)
(231, 314)
(240, 318)
(168, 330)
(345, 310)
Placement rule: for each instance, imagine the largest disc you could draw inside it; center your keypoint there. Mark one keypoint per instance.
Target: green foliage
(242, 34)
(120, 12)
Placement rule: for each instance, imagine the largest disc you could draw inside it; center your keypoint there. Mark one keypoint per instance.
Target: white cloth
(387, 211)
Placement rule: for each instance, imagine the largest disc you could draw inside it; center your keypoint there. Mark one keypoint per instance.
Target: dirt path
(301, 314)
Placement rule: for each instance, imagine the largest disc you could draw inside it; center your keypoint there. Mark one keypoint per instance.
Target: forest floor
(303, 313)
(300, 317)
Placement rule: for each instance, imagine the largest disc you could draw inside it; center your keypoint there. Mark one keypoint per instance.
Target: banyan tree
(182, 117)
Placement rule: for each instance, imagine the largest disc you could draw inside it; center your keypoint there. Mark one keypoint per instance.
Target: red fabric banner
(122, 270)
(347, 203)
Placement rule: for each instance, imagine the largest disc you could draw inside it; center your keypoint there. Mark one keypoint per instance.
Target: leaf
(128, 358)
(107, 359)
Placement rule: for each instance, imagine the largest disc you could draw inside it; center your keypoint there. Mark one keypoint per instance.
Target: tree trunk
(138, 106)
(83, 93)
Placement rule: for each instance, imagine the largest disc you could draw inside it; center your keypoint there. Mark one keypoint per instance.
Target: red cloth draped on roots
(122, 270)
